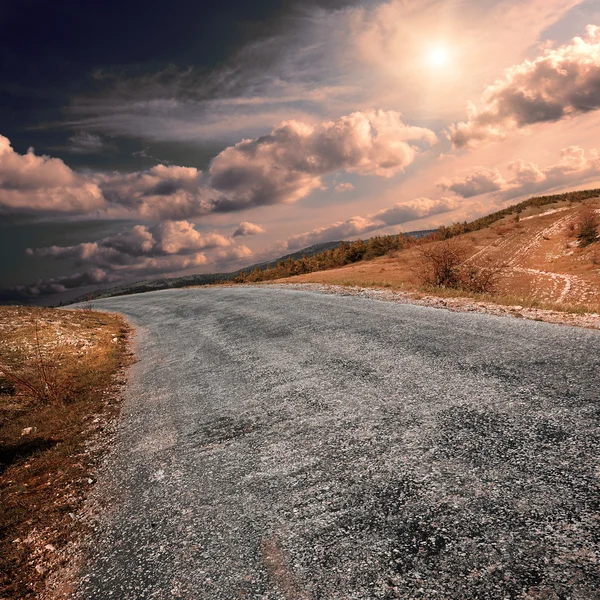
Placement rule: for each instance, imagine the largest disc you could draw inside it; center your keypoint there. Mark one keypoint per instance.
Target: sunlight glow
(438, 56)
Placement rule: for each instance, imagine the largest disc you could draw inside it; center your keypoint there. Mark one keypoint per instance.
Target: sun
(438, 56)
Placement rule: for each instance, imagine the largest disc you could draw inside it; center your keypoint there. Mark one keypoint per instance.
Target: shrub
(587, 231)
(440, 264)
(443, 265)
(480, 279)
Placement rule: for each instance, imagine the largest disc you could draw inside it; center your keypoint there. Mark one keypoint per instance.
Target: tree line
(344, 254)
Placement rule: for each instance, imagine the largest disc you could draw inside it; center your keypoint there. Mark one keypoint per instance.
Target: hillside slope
(539, 252)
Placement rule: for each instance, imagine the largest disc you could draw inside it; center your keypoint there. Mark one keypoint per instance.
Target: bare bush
(440, 264)
(587, 229)
(480, 279)
(444, 265)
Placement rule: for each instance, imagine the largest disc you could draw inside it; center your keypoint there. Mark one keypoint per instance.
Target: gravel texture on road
(286, 444)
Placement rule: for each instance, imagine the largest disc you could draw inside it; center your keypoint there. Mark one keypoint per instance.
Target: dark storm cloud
(55, 285)
(55, 51)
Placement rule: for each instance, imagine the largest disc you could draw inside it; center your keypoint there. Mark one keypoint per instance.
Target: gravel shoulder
(280, 443)
(587, 320)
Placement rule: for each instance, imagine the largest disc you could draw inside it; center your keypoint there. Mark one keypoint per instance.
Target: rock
(27, 431)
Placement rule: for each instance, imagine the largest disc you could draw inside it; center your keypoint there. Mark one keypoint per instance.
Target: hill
(535, 248)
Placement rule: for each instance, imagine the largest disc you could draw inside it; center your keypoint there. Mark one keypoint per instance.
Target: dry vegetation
(59, 376)
(445, 265)
(541, 255)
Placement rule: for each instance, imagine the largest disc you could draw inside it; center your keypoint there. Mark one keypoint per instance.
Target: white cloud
(31, 183)
(398, 214)
(280, 167)
(479, 181)
(245, 228)
(288, 163)
(343, 187)
(525, 177)
(561, 83)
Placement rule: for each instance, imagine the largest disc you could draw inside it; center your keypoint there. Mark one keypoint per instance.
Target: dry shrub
(444, 265)
(502, 230)
(45, 377)
(480, 278)
(440, 264)
(587, 228)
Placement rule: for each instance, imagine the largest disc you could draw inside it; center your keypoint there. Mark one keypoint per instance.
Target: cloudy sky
(208, 136)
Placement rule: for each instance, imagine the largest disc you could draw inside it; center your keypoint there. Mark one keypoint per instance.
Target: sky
(196, 137)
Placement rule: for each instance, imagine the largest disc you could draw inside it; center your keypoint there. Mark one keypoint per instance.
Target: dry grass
(542, 265)
(57, 391)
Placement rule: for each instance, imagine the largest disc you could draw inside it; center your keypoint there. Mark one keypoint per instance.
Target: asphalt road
(282, 444)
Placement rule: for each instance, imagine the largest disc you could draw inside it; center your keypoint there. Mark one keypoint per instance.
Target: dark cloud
(480, 181)
(162, 192)
(84, 142)
(139, 251)
(56, 285)
(561, 83)
(284, 166)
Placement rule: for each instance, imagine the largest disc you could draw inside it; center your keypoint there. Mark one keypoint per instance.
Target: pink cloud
(31, 183)
(287, 164)
(245, 228)
(525, 177)
(168, 247)
(280, 167)
(559, 84)
(398, 214)
(479, 181)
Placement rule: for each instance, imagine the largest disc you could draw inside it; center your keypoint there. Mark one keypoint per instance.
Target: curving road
(282, 444)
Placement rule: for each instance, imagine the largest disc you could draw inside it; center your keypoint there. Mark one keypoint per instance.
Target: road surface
(284, 444)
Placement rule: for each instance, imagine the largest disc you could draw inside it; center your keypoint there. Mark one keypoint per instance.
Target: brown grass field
(58, 391)
(541, 262)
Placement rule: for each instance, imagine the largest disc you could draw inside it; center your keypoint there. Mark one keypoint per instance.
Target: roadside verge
(61, 377)
(453, 303)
